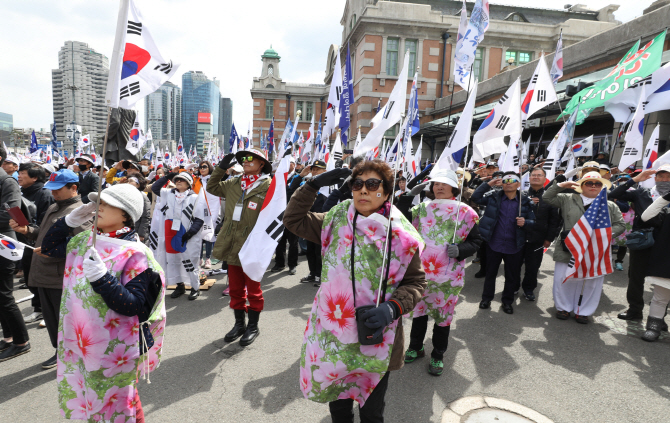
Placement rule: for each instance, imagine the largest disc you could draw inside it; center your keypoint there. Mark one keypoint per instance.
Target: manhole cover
(490, 415)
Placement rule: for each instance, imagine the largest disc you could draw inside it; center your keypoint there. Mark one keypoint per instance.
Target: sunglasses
(204, 167)
(510, 181)
(247, 159)
(593, 184)
(371, 184)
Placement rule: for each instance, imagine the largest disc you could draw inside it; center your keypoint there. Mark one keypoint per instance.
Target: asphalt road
(600, 372)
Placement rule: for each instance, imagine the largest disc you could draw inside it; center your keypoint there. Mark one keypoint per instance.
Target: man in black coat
(546, 228)
(639, 259)
(14, 332)
(504, 229)
(88, 180)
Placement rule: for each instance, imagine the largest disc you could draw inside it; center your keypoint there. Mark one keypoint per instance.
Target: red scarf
(248, 181)
(116, 234)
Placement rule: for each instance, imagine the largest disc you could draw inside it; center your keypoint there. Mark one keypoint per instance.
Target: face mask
(663, 187)
(83, 167)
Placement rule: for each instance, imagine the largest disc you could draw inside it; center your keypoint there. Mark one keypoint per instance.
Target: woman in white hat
(449, 228)
(573, 206)
(112, 316)
(175, 235)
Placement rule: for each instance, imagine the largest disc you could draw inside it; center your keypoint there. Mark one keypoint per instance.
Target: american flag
(590, 240)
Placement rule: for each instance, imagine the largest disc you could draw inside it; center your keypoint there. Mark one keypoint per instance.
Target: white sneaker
(33, 317)
(202, 262)
(208, 264)
(42, 324)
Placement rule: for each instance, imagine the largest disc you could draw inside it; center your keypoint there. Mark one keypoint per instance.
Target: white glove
(573, 172)
(80, 215)
(93, 266)
(152, 174)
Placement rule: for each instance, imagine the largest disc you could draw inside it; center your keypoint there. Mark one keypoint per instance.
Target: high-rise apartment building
(6, 127)
(225, 116)
(199, 95)
(79, 86)
(162, 112)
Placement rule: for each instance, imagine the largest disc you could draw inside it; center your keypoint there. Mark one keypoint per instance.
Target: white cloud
(223, 39)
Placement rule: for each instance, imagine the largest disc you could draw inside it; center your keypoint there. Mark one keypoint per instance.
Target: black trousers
(532, 257)
(314, 259)
(280, 252)
(440, 337)
(25, 262)
(637, 265)
(621, 253)
(50, 311)
(341, 411)
(11, 318)
(482, 254)
(512, 274)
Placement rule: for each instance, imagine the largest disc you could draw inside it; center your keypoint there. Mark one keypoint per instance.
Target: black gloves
(228, 161)
(420, 177)
(329, 178)
(344, 187)
(417, 189)
(171, 175)
(380, 317)
(452, 251)
(185, 238)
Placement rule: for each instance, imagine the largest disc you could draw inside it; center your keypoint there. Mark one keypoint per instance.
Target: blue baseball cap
(59, 179)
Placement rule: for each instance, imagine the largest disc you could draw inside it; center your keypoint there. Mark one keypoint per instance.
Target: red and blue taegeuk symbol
(135, 134)
(488, 119)
(526, 101)
(8, 244)
(167, 156)
(577, 148)
(134, 60)
(640, 126)
(180, 148)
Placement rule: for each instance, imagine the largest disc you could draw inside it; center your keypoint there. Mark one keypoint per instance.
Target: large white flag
(459, 138)
(540, 92)
(467, 50)
(137, 138)
(632, 150)
(257, 251)
(583, 148)
(333, 107)
(504, 120)
(650, 156)
(137, 68)
(557, 65)
(511, 162)
(10, 248)
(557, 145)
(389, 115)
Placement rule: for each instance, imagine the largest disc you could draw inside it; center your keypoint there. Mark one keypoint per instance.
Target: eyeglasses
(247, 159)
(593, 184)
(510, 181)
(204, 167)
(371, 184)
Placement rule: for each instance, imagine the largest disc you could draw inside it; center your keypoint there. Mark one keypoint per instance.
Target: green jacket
(572, 209)
(233, 234)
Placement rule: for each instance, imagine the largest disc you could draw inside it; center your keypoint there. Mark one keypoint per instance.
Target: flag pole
(102, 178)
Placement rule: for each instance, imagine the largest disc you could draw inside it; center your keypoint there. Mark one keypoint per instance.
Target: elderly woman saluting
(334, 366)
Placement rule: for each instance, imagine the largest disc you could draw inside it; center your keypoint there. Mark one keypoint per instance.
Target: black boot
(178, 291)
(238, 329)
(654, 327)
(252, 329)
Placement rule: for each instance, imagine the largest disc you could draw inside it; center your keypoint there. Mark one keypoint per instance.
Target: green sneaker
(436, 366)
(412, 354)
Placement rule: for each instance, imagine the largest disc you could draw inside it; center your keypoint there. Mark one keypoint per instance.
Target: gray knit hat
(122, 196)
(186, 177)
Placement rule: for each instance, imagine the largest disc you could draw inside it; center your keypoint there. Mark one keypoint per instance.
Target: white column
(382, 70)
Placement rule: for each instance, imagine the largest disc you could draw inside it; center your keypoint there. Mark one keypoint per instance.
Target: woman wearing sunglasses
(334, 366)
(573, 207)
(450, 231)
(244, 197)
(210, 203)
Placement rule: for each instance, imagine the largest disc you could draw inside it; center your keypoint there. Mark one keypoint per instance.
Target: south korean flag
(137, 137)
(257, 251)
(137, 68)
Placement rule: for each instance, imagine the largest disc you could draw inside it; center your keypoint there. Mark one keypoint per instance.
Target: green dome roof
(270, 54)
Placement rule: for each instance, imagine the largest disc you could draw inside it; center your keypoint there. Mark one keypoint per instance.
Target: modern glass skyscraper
(162, 112)
(199, 95)
(225, 116)
(6, 126)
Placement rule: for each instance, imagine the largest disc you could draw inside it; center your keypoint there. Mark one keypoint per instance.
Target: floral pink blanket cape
(333, 364)
(99, 359)
(437, 221)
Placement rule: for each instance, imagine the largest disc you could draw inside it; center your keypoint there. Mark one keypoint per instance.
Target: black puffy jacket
(489, 220)
(547, 219)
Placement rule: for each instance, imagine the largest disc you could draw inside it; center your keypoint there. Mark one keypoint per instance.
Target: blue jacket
(486, 196)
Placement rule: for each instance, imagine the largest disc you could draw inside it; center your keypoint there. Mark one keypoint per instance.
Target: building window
(478, 65)
(411, 46)
(300, 106)
(352, 23)
(310, 111)
(271, 70)
(391, 132)
(269, 86)
(519, 57)
(269, 109)
(516, 17)
(392, 56)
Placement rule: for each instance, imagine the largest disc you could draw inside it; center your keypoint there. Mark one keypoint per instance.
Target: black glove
(228, 161)
(420, 177)
(329, 178)
(666, 197)
(171, 175)
(345, 188)
(379, 317)
(452, 251)
(417, 189)
(185, 238)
